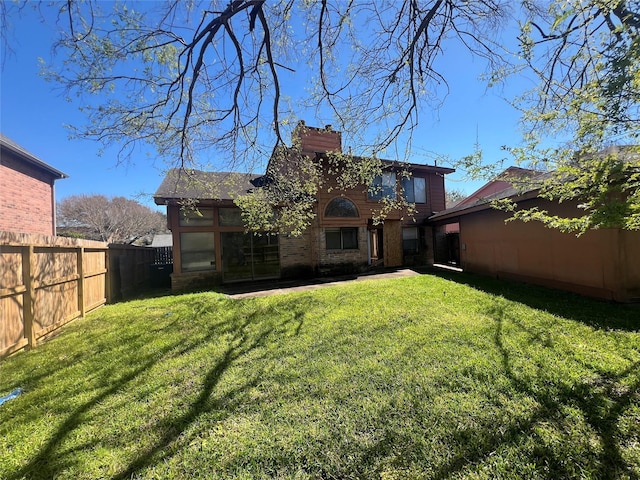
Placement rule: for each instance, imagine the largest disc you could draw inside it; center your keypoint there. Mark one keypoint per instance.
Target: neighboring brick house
(210, 245)
(27, 193)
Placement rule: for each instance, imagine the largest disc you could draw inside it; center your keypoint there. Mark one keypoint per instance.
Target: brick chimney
(316, 139)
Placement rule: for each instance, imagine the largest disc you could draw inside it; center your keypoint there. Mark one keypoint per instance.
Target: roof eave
(163, 200)
(32, 159)
(454, 213)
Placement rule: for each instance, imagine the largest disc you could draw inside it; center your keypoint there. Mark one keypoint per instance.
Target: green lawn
(420, 377)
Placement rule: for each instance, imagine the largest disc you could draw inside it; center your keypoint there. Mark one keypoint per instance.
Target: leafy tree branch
(219, 79)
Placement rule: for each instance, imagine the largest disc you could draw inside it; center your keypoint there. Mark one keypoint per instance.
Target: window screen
(410, 244)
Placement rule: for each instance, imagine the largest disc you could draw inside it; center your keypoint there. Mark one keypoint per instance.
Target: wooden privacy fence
(129, 270)
(46, 282)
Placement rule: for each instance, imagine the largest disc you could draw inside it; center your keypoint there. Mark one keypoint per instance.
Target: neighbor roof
(530, 182)
(23, 154)
(530, 190)
(162, 240)
(188, 184)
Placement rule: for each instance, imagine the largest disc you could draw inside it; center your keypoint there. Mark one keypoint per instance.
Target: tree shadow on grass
(589, 311)
(47, 465)
(244, 333)
(240, 345)
(602, 400)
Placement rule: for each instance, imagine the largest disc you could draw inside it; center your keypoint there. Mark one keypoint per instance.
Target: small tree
(112, 220)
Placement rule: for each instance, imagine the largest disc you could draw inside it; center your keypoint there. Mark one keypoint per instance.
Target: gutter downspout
(55, 209)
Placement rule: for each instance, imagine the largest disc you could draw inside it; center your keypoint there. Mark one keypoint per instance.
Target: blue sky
(34, 115)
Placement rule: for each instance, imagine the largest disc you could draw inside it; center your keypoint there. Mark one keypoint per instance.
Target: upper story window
(383, 186)
(230, 217)
(415, 189)
(198, 217)
(341, 207)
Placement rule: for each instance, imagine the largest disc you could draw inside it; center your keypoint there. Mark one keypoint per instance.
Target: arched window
(341, 207)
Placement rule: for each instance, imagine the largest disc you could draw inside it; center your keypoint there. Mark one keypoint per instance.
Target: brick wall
(195, 280)
(26, 198)
(296, 255)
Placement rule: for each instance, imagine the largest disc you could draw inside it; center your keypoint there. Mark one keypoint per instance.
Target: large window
(341, 238)
(383, 186)
(190, 217)
(415, 189)
(341, 207)
(197, 251)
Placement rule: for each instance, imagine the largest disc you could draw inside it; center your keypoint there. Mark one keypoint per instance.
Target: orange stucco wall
(603, 263)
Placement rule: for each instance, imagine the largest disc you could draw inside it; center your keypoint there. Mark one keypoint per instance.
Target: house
(27, 193)
(603, 263)
(211, 246)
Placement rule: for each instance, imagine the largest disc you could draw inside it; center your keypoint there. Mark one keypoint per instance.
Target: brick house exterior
(27, 193)
(333, 243)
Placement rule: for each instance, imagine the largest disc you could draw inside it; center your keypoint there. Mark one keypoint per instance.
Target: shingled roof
(188, 184)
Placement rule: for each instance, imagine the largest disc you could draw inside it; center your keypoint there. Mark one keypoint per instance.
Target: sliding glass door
(249, 256)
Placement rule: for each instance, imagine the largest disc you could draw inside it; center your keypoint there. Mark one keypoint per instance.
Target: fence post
(80, 266)
(107, 276)
(28, 267)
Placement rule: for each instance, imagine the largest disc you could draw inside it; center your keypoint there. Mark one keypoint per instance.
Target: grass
(421, 377)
